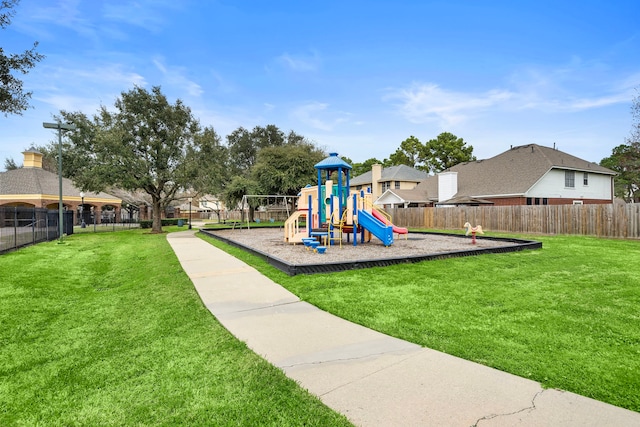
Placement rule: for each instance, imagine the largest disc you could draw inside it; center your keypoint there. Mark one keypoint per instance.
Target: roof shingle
(512, 172)
(39, 181)
(392, 173)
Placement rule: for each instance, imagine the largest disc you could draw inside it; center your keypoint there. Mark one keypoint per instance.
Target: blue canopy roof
(332, 162)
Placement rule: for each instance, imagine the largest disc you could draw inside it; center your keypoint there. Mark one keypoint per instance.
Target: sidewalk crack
(528, 408)
(282, 304)
(404, 359)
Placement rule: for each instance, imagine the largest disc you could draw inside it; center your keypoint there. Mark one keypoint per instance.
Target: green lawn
(567, 315)
(106, 329)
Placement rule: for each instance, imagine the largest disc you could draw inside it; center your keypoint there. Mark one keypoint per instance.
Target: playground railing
(370, 205)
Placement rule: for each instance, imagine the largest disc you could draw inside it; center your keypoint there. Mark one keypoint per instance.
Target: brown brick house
(524, 175)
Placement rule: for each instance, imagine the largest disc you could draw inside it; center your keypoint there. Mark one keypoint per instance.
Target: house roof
(28, 180)
(414, 195)
(512, 172)
(466, 200)
(393, 173)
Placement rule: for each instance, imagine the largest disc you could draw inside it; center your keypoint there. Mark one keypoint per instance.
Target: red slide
(379, 216)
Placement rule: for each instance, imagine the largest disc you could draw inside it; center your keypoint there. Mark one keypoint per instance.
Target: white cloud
(576, 86)
(223, 85)
(176, 76)
(78, 16)
(113, 73)
(300, 62)
(318, 116)
(427, 102)
(66, 102)
(140, 13)
(71, 87)
(64, 13)
(571, 88)
(590, 103)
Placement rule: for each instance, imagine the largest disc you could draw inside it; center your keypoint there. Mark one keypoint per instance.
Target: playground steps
(293, 233)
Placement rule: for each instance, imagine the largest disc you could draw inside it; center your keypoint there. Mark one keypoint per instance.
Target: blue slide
(376, 227)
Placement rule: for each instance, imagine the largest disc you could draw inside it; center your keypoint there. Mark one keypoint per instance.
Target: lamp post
(60, 127)
(190, 213)
(82, 224)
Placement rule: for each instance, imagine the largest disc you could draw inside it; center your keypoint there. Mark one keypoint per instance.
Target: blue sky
(355, 77)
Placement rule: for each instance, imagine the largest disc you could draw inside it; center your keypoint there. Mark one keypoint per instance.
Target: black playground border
(332, 267)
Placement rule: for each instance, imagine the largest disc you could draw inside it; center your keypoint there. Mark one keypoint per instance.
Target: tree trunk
(157, 216)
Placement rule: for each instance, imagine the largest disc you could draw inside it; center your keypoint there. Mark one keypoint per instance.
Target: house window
(397, 185)
(529, 201)
(570, 179)
(386, 185)
(545, 201)
(537, 201)
(585, 179)
(359, 187)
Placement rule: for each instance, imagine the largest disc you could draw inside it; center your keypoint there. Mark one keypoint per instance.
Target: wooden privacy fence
(612, 220)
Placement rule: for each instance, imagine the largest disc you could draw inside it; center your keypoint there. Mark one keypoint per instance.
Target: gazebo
(32, 186)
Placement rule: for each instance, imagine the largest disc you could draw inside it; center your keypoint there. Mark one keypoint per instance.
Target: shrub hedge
(147, 223)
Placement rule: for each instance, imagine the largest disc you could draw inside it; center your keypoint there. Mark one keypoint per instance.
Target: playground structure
(329, 212)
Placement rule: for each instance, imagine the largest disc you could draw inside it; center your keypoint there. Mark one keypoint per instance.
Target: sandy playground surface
(271, 241)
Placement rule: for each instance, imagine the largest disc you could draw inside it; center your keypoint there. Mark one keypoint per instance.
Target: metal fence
(612, 220)
(90, 225)
(22, 226)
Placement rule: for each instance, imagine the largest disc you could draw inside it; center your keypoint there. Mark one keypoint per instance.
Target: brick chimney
(376, 185)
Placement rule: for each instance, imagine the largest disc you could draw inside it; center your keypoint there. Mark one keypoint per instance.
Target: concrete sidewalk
(373, 379)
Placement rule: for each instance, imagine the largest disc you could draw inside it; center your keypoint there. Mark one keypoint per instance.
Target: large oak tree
(145, 144)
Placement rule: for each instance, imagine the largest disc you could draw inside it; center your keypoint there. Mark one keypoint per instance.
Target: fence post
(33, 226)
(15, 227)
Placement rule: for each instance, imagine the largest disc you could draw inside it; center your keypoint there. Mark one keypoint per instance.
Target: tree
(364, 167)
(269, 136)
(211, 176)
(445, 151)
(146, 144)
(625, 160)
(237, 189)
(284, 170)
(245, 148)
(244, 145)
(242, 152)
(635, 127)
(10, 164)
(411, 153)
(72, 160)
(13, 99)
